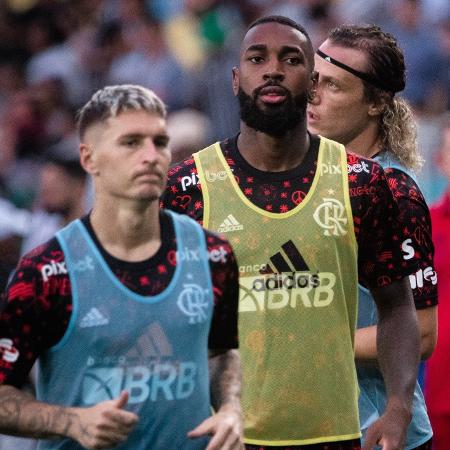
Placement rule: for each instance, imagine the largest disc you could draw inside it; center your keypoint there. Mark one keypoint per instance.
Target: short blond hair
(110, 101)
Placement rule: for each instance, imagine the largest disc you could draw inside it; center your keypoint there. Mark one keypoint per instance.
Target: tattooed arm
(101, 426)
(224, 362)
(225, 383)
(225, 374)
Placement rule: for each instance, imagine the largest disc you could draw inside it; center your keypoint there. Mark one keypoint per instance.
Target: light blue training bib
(156, 348)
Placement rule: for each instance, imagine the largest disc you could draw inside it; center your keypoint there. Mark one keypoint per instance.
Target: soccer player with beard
(304, 231)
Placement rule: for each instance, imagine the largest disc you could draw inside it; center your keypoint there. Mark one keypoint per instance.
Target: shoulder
(367, 167)
(182, 178)
(183, 171)
(181, 168)
(403, 184)
(187, 166)
(38, 271)
(366, 177)
(43, 260)
(183, 192)
(43, 252)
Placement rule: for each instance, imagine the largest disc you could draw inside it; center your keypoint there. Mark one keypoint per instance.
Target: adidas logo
(230, 224)
(287, 260)
(94, 318)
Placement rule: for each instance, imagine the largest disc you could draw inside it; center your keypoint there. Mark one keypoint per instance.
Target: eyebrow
(134, 135)
(256, 47)
(284, 49)
(291, 49)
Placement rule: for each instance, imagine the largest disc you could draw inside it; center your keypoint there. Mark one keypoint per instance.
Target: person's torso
(371, 202)
(373, 396)
(153, 347)
(297, 309)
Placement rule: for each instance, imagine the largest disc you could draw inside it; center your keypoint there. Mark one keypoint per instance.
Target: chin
(149, 198)
(145, 196)
(313, 130)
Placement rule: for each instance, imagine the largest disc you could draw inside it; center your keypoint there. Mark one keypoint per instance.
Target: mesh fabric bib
(153, 347)
(296, 325)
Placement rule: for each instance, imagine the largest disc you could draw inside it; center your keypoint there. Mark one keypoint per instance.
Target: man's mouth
(272, 94)
(148, 176)
(312, 117)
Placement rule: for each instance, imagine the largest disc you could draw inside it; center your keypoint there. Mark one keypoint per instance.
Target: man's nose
(274, 71)
(150, 151)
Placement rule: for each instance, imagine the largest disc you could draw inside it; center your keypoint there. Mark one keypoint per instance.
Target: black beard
(276, 120)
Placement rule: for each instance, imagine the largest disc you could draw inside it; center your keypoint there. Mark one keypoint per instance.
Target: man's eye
(256, 59)
(131, 142)
(294, 60)
(162, 142)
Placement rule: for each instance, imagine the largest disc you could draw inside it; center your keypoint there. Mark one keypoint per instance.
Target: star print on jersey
(373, 225)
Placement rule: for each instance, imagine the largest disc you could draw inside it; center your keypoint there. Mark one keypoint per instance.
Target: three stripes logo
(94, 318)
(230, 224)
(286, 281)
(289, 260)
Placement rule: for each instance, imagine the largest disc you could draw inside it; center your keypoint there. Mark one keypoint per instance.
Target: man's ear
(86, 159)
(376, 109)
(235, 74)
(379, 106)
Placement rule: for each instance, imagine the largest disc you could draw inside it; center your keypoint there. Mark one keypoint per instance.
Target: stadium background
(55, 53)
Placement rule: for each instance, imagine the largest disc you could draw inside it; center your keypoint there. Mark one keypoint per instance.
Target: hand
(389, 431)
(104, 425)
(225, 427)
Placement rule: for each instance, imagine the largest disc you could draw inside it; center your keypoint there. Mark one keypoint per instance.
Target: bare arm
(225, 385)
(428, 331)
(366, 338)
(225, 373)
(398, 344)
(101, 426)
(22, 415)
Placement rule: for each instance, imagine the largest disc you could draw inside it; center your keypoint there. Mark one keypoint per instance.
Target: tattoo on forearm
(9, 410)
(225, 379)
(22, 415)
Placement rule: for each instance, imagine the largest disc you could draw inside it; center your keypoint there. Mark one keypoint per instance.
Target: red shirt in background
(437, 374)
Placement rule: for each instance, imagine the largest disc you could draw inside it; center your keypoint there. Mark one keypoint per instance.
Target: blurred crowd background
(55, 53)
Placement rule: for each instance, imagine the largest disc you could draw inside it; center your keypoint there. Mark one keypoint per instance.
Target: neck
(367, 143)
(130, 232)
(273, 154)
